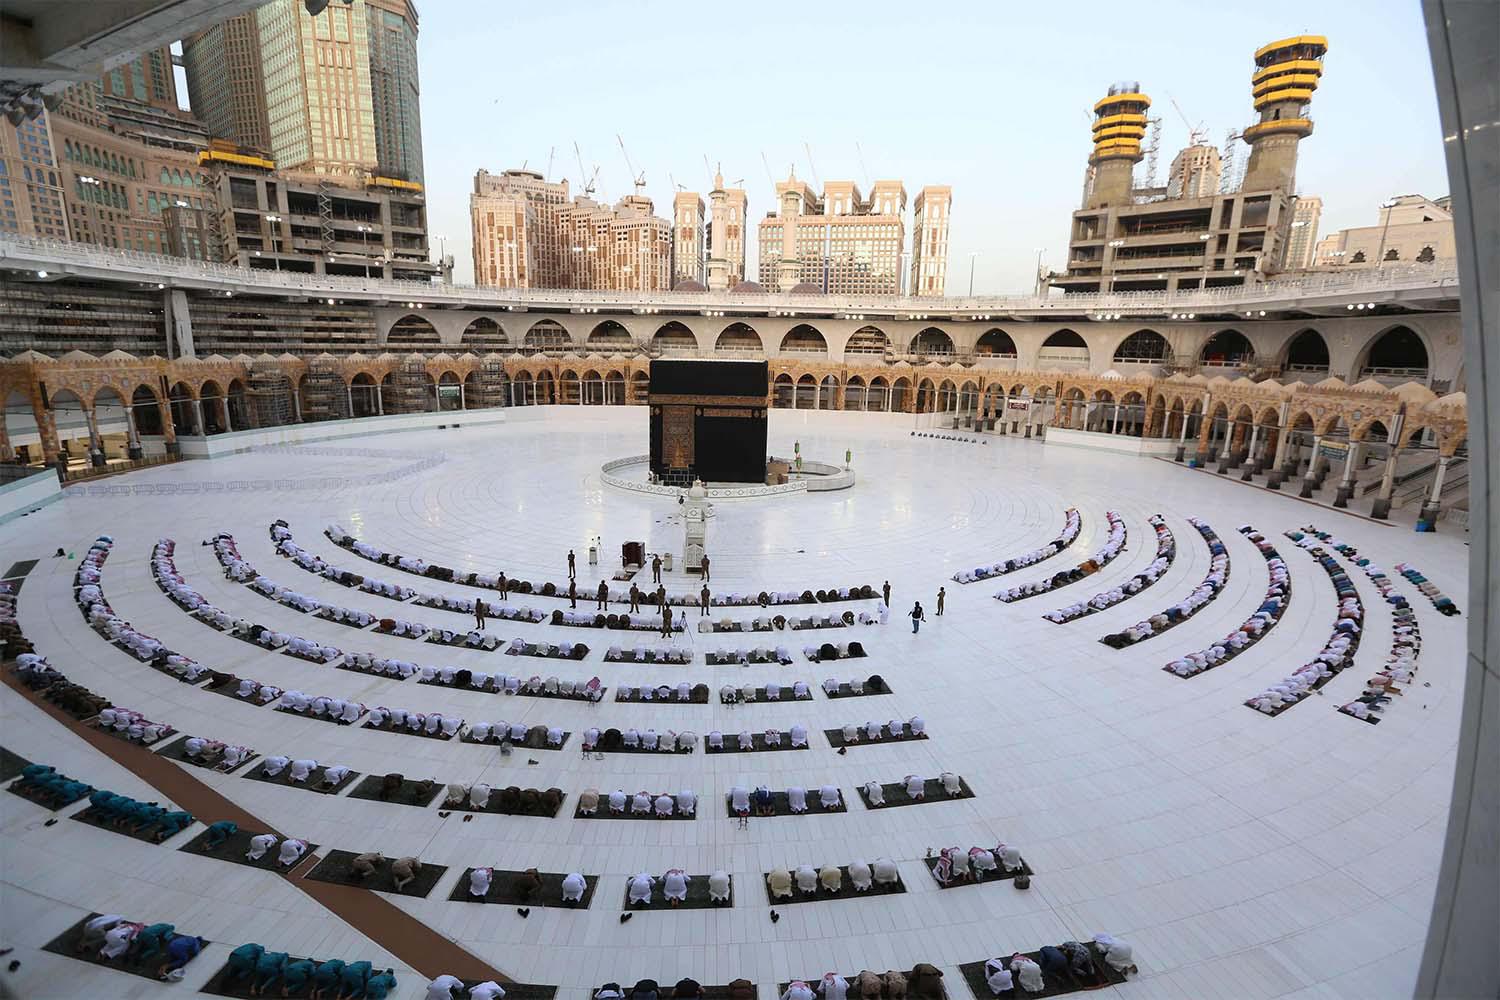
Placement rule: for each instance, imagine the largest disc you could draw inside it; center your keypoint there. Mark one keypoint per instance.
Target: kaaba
(708, 421)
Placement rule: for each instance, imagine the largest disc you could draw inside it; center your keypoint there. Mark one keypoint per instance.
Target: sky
(993, 98)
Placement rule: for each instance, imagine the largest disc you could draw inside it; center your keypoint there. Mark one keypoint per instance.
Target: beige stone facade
(727, 234)
(842, 243)
(32, 197)
(929, 240)
(1195, 173)
(1409, 228)
(1307, 212)
(226, 82)
(687, 238)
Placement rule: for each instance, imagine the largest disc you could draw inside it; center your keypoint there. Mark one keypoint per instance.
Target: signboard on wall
(1018, 405)
(1334, 451)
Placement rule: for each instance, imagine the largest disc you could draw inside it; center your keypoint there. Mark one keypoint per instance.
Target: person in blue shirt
(171, 824)
(220, 832)
(380, 986)
(267, 971)
(151, 940)
(326, 977)
(295, 976)
(242, 961)
(352, 980)
(181, 950)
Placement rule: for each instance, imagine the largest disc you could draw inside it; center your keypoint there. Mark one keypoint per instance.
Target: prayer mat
(697, 896)
(836, 736)
(973, 973)
(234, 848)
(409, 793)
(846, 890)
(66, 944)
(781, 806)
(503, 890)
(998, 875)
(312, 784)
(177, 750)
(895, 794)
(334, 867)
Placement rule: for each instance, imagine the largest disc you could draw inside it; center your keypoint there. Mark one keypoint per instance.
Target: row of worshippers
(896, 729)
(565, 650)
(954, 864)
(830, 878)
(126, 813)
(642, 803)
(286, 595)
(745, 655)
(132, 725)
(762, 801)
(924, 982)
(383, 666)
(1336, 654)
(457, 602)
(646, 654)
(649, 739)
(796, 738)
(35, 671)
(300, 770)
(1072, 524)
(1267, 614)
(164, 569)
(288, 853)
(228, 553)
(384, 588)
(1166, 551)
(527, 884)
(1209, 588)
(333, 979)
(92, 563)
(255, 691)
(1061, 964)
(686, 989)
(447, 987)
(44, 784)
(681, 692)
(511, 799)
(340, 710)
(403, 870)
(515, 732)
(916, 787)
(1114, 544)
(674, 888)
(553, 686)
(747, 692)
(857, 685)
(102, 618)
(592, 619)
(833, 651)
(112, 937)
(425, 723)
(1406, 644)
(1439, 600)
(215, 753)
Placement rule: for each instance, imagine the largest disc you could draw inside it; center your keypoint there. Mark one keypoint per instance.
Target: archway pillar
(168, 426)
(1230, 427)
(1254, 456)
(1434, 505)
(1346, 485)
(1310, 480)
(7, 453)
(96, 441)
(1381, 510)
(1182, 437)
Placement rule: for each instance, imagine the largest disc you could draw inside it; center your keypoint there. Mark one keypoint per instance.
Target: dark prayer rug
(66, 944)
(177, 750)
(846, 891)
(895, 794)
(1055, 986)
(998, 875)
(697, 896)
(335, 868)
(503, 890)
(409, 793)
(234, 848)
(781, 806)
(314, 782)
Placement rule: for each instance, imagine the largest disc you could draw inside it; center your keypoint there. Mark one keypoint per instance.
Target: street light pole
(93, 186)
(972, 254)
(1385, 227)
(275, 221)
(1038, 289)
(364, 234)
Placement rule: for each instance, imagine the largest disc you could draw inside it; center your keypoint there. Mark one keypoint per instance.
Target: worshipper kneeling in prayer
(833, 987)
(640, 889)
(798, 990)
(675, 886)
(779, 881)
(479, 882)
(573, 887)
(998, 977)
(861, 876)
(718, 887)
(444, 988)
(1027, 972)
(875, 793)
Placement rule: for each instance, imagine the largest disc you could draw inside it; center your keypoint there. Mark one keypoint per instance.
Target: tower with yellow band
(1286, 73)
(1119, 127)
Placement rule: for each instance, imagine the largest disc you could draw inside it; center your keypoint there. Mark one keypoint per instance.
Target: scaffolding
(324, 393)
(490, 387)
(409, 389)
(325, 216)
(269, 397)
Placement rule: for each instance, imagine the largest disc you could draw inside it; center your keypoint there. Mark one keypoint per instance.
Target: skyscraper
(687, 237)
(929, 240)
(335, 94)
(148, 78)
(1194, 173)
(842, 242)
(1303, 241)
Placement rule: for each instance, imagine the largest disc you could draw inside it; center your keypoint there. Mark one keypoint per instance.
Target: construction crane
(583, 174)
(675, 185)
(548, 175)
(811, 165)
(1196, 133)
(639, 180)
(1153, 152)
(864, 170)
(766, 163)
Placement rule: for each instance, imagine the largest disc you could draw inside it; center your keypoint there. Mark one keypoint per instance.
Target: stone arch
(146, 407)
(640, 386)
(546, 335)
(674, 336)
(181, 397)
(483, 333)
(545, 388)
(878, 395)
(804, 338)
(901, 401)
(926, 399)
(1064, 349)
(867, 340)
(591, 388)
(807, 392)
(412, 330)
(739, 337)
(363, 395)
(783, 391)
(449, 391)
(1145, 347)
(1227, 349)
(212, 404)
(932, 340)
(828, 392)
(995, 343)
(609, 336)
(239, 407)
(856, 393)
(614, 387)
(568, 387)
(1398, 353)
(1306, 353)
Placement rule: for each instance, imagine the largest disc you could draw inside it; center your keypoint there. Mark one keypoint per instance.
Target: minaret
(1119, 127)
(789, 268)
(718, 236)
(1286, 74)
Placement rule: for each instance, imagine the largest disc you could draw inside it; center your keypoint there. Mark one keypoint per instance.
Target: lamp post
(1384, 228)
(364, 235)
(1039, 252)
(275, 221)
(972, 255)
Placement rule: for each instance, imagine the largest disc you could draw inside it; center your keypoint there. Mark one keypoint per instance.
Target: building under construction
(1128, 239)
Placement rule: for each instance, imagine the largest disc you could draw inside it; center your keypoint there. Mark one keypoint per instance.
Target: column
(1311, 477)
(1230, 428)
(1114, 427)
(1278, 462)
(1434, 505)
(1381, 510)
(168, 427)
(296, 405)
(7, 453)
(132, 434)
(96, 442)
(348, 396)
(1346, 487)
(379, 400)
(46, 426)
(1250, 468)
(1182, 437)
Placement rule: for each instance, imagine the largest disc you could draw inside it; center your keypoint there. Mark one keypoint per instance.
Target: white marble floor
(1243, 856)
